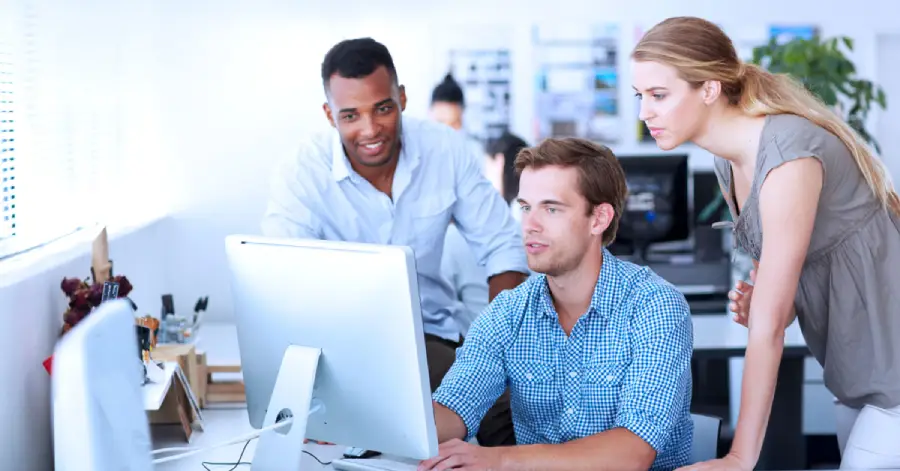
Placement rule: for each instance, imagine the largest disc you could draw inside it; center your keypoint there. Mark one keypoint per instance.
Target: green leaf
(824, 68)
(848, 42)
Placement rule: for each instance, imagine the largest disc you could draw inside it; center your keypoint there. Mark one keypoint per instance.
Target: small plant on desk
(84, 296)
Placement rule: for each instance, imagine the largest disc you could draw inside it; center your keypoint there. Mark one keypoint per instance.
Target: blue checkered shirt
(627, 363)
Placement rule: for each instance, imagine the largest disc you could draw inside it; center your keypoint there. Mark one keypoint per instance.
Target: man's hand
(740, 299)
(457, 454)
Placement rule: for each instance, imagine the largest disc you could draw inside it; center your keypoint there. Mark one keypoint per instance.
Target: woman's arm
(788, 201)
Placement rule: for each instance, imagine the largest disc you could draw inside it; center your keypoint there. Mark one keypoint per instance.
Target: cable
(236, 464)
(174, 448)
(240, 439)
(323, 463)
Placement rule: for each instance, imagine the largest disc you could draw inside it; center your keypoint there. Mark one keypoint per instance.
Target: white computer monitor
(99, 422)
(351, 313)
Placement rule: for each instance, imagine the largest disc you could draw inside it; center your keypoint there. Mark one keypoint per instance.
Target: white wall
(241, 85)
(31, 309)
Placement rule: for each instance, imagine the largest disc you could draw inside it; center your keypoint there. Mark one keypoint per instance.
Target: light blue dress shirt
(318, 195)
(627, 363)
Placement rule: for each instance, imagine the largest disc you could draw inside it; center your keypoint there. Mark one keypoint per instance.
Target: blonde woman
(792, 170)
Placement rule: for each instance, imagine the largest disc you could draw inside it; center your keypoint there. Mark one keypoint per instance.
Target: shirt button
(529, 376)
(610, 377)
(573, 374)
(570, 411)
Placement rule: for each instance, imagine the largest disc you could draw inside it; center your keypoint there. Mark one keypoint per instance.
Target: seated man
(596, 351)
(383, 179)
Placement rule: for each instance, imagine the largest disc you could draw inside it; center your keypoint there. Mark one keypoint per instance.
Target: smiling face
(673, 109)
(366, 112)
(558, 226)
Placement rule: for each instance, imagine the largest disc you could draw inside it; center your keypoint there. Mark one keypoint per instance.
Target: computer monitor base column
(282, 449)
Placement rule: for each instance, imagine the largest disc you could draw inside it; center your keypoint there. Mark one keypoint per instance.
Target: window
(79, 126)
(8, 134)
(7, 143)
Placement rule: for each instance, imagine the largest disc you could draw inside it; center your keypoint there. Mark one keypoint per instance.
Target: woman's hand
(727, 463)
(740, 299)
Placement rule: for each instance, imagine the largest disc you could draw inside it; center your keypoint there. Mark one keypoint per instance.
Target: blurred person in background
(459, 264)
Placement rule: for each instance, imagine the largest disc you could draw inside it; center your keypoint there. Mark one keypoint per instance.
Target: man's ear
(327, 109)
(711, 90)
(402, 98)
(601, 218)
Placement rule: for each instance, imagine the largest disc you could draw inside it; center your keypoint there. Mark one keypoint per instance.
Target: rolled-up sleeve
(657, 386)
(478, 377)
(289, 209)
(483, 217)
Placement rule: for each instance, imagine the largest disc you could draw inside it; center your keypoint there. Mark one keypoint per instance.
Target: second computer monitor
(360, 305)
(657, 208)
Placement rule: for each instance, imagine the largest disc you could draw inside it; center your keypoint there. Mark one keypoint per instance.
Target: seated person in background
(596, 350)
(380, 178)
(459, 265)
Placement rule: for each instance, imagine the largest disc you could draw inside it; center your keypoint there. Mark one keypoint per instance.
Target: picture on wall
(783, 34)
(577, 82)
(484, 75)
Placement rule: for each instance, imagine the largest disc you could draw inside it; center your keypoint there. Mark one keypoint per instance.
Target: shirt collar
(408, 160)
(602, 290)
(340, 167)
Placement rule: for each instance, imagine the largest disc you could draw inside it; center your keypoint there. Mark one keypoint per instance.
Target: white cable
(249, 436)
(174, 448)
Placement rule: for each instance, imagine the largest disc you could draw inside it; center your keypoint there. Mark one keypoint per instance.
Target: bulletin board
(484, 75)
(577, 82)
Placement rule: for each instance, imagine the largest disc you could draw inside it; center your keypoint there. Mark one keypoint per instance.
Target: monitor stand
(282, 449)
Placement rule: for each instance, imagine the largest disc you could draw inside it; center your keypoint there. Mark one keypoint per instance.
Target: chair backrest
(706, 437)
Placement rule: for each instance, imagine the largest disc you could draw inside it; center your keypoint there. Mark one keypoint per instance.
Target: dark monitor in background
(657, 208)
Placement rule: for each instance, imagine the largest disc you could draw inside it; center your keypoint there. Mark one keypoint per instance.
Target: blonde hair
(700, 51)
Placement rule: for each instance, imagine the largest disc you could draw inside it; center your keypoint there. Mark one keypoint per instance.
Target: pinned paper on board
(577, 82)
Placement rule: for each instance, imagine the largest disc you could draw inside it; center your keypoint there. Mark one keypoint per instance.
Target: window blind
(7, 141)
(7, 147)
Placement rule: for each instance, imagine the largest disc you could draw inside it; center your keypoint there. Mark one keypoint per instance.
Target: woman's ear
(711, 90)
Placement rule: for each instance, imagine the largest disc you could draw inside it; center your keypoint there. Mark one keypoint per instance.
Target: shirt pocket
(532, 390)
(429, 220)
(602, 388)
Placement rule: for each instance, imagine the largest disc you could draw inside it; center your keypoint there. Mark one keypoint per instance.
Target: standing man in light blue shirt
(596, 351)
(381, 178)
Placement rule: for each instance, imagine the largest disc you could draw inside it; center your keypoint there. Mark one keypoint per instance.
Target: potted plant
(84, 296)
(822, 66)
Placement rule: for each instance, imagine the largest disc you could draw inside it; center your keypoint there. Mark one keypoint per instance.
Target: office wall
(31, 308)
(241, 84)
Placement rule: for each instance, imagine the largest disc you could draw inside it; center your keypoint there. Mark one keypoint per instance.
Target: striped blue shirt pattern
(627, 363)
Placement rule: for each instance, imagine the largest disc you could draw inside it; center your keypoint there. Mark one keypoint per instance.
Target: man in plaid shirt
(596, 351)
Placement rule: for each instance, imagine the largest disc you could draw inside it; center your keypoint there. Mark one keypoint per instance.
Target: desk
(715, 336)
(221, 425)
(784, 447)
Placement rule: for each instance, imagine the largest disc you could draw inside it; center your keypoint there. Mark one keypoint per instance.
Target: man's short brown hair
(601, 178)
